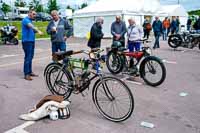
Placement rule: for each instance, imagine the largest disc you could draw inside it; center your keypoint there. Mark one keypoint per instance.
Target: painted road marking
(169, 62)
(131, 81)
(37, 59)
(20, 128)
(7, 55)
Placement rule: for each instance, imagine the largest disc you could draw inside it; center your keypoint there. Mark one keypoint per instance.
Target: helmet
(54, 115)
(116, 44)
(64, 113)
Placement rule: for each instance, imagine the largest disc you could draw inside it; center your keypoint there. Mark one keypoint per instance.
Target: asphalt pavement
(162, 106)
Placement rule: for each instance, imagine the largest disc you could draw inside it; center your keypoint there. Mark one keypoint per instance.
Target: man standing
(189, 23)
(60, 30)
(173, 25)
(96, 34)
(118, 30)
(157, 29)
(28, 43)
(177, 24)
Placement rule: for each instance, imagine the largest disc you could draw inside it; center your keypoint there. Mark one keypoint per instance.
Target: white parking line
(169, 62)
(130, 81)
(11, 64)
(7, 55)
(20, 128)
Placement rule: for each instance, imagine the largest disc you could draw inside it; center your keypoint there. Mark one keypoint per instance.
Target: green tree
(5, 8)
(19, 3)
(35, 4)
(83, 5)
(52, 5)
(196, 12)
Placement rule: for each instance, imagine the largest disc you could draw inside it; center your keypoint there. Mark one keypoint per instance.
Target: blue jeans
(165, 31)
(133, 45)
(188, 27)
(28, 48)
(58, 46)
(157, 36)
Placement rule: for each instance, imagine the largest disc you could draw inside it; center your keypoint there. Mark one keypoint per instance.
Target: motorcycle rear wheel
(174, 41)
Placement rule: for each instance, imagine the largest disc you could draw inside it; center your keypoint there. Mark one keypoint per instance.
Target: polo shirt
(28, 34)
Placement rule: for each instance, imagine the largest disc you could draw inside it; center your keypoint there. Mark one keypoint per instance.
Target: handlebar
(96, 50)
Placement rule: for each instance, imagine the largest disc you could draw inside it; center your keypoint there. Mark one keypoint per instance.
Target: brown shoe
(34, 75)
(28, 77)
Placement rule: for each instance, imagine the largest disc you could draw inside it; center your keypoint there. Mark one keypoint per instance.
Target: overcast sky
(188, 4)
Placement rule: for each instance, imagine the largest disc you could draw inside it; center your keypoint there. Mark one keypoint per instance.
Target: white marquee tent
(174, 10)
(84, 18)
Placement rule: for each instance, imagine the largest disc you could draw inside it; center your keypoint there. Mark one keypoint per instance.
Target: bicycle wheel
(153, 71)
(114, 62)
(59, 81)
(113, 99)
(49, 66)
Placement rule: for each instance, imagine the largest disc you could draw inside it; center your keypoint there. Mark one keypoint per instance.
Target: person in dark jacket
(60, 30)
(146, 28)
(118, 30)
(197, 24)
(189, 23)
(96, 34)
(157, 29)
(173, 25)
(177, 24)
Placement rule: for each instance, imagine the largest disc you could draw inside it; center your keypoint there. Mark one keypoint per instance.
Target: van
(20, 12)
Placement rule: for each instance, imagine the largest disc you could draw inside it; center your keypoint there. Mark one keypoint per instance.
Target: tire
(149, 71)
(114, 62)
(14, 41)
(58, 81)
(49, 66)
(174, 41)
(111, 96)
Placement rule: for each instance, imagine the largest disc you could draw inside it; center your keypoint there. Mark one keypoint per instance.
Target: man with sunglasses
(28, 43)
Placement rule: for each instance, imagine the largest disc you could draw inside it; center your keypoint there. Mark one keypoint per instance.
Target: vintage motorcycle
(8, 35)
(185, 39)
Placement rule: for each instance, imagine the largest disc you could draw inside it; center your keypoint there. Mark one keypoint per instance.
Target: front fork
(106, 88)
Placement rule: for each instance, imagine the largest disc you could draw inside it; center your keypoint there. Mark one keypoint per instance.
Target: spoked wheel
(113, 99)
(174, 41)
(153, 71)
(114, 63)
(58, 80)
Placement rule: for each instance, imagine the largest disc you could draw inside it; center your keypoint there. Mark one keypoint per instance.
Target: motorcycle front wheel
(153, 71)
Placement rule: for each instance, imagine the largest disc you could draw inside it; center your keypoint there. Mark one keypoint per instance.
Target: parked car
(41, 16)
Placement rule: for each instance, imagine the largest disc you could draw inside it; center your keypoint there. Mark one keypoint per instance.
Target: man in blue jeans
(157, 29)
(60, 30)
(28, 43)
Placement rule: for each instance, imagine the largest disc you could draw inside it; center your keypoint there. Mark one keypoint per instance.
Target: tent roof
(121, 6)
(173, 10)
